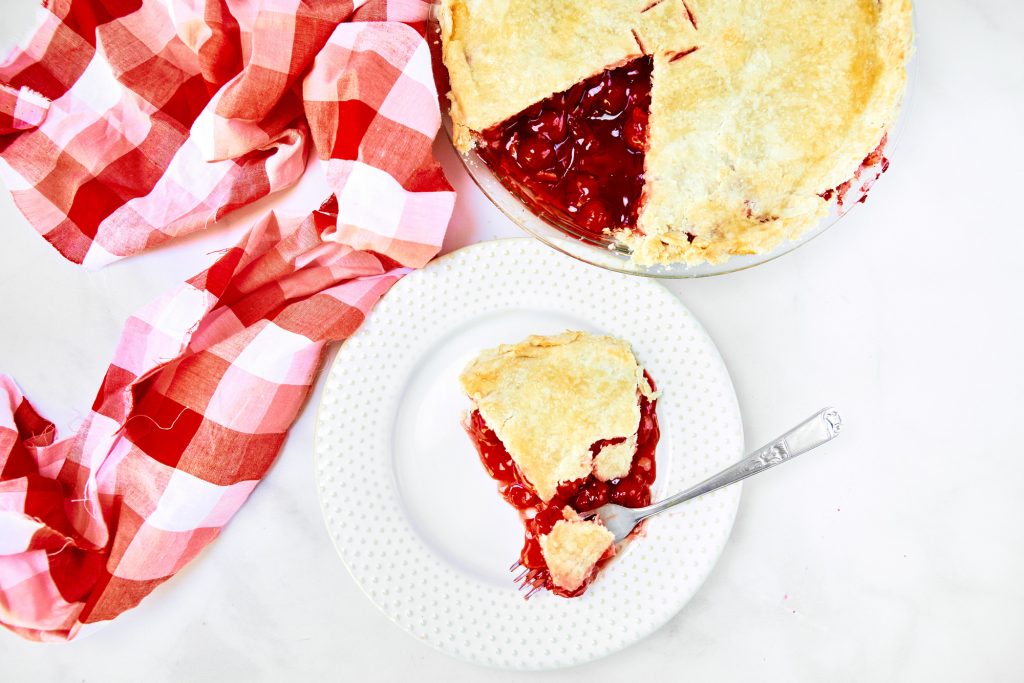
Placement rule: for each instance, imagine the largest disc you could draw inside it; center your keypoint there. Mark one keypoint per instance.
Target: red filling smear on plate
(633, 490)
(577, 158)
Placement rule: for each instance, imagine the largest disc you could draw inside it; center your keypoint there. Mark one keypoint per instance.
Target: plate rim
(655, 625)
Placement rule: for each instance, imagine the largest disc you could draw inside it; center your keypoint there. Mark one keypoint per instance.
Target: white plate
(421, 526)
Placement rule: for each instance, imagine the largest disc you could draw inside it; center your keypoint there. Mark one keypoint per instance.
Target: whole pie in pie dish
(564, 424)
(684, 130)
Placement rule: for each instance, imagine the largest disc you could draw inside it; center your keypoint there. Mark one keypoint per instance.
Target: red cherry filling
(633, 490)
(875, 162)
(577, 158)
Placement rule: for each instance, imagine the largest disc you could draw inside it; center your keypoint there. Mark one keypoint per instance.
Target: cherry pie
(688, 130)
(564, 424)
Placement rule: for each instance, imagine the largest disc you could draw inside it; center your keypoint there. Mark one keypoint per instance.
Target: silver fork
(820, 428)
(532, 578)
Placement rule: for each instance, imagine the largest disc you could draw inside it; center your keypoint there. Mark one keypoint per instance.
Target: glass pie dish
(519, 201)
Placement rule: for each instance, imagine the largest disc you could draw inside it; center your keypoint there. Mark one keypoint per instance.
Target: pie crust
(613, 461)
(504, 56)
(781, 101)
(564, 424)
(573, 548)
(549, 399)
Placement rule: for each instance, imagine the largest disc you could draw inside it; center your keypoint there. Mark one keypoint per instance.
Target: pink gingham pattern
(124, 123)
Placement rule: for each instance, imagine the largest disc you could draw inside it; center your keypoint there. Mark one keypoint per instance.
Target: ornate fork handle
(820, 428)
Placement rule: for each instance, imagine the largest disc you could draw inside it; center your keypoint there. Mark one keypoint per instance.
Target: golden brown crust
(614, 460)
(781, 101)
(573, 548)
(503, 56)
(550, 398)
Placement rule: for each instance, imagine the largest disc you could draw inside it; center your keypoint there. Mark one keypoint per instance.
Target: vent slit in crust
(774, 112)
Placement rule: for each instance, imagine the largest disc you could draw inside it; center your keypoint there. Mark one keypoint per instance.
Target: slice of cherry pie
(688, 130)
(564, 424)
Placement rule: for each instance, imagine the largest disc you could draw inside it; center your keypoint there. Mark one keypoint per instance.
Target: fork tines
(532, 578)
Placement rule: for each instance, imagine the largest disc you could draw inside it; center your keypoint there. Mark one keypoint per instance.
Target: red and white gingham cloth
(124, 123)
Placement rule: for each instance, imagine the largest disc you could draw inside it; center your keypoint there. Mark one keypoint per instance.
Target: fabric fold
(194, 407)
(21, 109)
(128, 123)
(194, 108)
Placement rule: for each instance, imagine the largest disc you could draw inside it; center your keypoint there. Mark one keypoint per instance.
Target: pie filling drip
(869, 171)
(577, 158)
(539, 518)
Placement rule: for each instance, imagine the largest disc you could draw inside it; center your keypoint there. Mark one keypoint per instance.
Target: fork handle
(820, 428)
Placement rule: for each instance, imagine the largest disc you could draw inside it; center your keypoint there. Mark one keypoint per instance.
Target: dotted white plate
(416, 519)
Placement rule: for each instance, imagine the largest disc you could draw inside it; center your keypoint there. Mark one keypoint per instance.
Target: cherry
(494, 137)
(643, 470)
(841, 191)
(877, 155)
(644, 466)
(531, 555)
(592, 495)
(631, 492)
(600, 162)
(549, 125)
(593, 216)
(612, 97)
(583, 141)
(493, 455)
(511, 144)
(634, 132)
(520, 496)
(539, 518)
(596, 130)
(591, 99)
(535, 154)
(544, 521)
(566, 490)
(549, 176)
(623, 217)
(574, 96)
(580, 188)
(534, 110)
(648, 429)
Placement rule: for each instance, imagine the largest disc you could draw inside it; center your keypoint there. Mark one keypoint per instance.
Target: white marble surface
(896, 555)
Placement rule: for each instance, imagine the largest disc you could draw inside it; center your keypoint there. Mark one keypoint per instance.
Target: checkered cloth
(124, 123)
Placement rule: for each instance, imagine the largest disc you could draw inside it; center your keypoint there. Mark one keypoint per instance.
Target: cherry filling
(876, 162)
(577, 158)
(633, 490)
